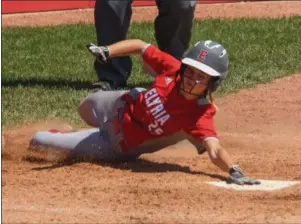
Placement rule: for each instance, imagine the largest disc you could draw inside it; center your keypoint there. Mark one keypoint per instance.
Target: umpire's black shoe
(101, 86)
(106, 86)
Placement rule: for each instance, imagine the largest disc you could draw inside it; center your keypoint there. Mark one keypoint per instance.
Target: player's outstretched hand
(100, 52)
(236, 176)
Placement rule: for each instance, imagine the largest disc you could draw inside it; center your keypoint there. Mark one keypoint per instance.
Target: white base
(266, 185)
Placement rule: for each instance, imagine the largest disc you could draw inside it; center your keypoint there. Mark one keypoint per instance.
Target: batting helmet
(209, 57)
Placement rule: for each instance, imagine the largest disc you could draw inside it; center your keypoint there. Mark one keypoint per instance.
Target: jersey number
(154, 129)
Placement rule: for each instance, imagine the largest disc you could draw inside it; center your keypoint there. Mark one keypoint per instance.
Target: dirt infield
(263, 135)
(260, 127)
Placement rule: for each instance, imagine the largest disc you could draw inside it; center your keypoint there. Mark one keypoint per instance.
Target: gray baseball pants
(101, 143)
(173, 26)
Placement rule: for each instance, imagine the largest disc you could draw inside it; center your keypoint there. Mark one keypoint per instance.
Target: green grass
(47, 71)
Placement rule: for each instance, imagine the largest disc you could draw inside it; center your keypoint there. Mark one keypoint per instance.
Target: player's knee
(135, 92)
(85, 111)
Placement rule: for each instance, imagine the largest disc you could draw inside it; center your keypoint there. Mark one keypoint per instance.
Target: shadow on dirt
(136, 166)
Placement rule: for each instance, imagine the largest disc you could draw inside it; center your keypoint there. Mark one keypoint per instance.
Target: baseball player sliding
(130, 123)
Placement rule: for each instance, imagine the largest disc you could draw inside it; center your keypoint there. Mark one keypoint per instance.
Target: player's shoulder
(150, 49)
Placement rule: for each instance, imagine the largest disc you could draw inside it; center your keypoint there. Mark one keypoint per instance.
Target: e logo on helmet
(202, 55)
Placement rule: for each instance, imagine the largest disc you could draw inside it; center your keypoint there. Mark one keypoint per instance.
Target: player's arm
(121, 48)
(217, 154)
(126, 47)
(155, 60)
(204, 132)
(220, 157)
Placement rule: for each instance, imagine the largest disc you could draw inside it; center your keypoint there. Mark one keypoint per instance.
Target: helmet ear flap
(215, 83)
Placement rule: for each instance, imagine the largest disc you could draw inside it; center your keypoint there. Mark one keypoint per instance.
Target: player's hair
(209, 93)
(212, 100)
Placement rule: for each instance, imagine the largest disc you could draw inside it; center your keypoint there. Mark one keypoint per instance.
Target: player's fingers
(252, 182)
(256, 182)
(237, 181)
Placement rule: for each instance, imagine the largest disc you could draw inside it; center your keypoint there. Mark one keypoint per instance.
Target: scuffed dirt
(260, 127)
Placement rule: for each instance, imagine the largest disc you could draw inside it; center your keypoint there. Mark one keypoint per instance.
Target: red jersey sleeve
(204, 127)
(159, 61)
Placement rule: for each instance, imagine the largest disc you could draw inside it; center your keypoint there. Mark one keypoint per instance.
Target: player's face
(194, 82)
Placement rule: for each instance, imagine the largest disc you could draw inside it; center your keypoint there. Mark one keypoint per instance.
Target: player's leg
(173, 25)
(112, 20)
(93, 143)
(100, 107)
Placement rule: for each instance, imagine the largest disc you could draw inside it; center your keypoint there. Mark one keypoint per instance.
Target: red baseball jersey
(161, 110)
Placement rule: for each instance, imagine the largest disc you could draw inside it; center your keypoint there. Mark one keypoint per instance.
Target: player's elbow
(140, 43)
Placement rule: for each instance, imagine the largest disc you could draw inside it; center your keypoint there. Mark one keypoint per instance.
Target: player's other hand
(101, 53)
(237, 176)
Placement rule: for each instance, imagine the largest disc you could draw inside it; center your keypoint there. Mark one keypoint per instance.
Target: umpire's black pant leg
(112, 21)
(173, 25)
